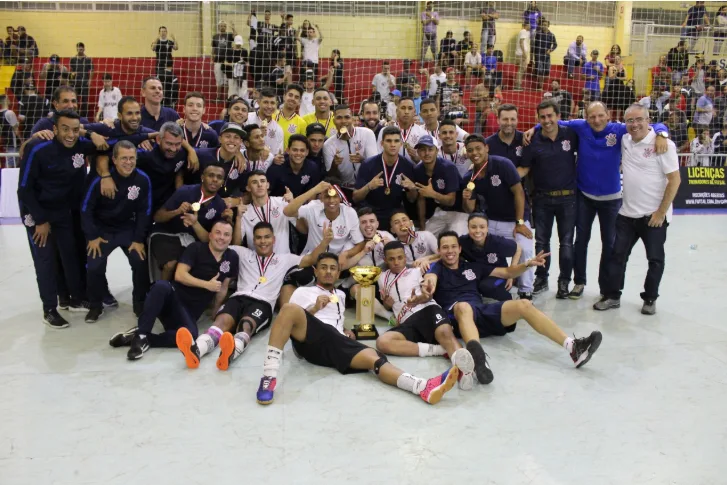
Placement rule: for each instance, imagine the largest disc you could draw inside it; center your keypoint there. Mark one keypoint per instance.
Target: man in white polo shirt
(344, 152)
(650, 182)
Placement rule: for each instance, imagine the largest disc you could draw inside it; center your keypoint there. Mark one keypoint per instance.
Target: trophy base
(365, 332)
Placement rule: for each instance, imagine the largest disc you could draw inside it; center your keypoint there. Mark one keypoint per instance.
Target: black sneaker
(525, 295)
(53, 319)
(109, 301)
(138, 308)
(63, 302)
(606, 304)
(139, 345)
(78, 306)
(93, 315)
(123, 339)
(482, 368)
(577, 292)
(540, 285)
(584, 348)
(562, 293)
(649, 307)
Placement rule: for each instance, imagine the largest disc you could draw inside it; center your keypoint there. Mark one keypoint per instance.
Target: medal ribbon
(341, 194)
(199, 136)
(474, 176)
(261, 213)
(412, 235)
(388, 286)
(262, 265)
(388, 177)
(202, 199)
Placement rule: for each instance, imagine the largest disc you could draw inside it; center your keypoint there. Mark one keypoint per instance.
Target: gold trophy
(365, 276)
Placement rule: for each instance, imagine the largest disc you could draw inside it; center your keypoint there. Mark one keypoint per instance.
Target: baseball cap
(233, 128)
(314, 128)
(449, 69)
(425, 141)
(309, 74)
(238, 40)
(396, 92)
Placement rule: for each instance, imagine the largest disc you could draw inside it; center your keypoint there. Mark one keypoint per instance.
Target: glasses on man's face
(631, 121)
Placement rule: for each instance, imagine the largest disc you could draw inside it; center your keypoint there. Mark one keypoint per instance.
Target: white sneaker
(466, 381)
(466, 364)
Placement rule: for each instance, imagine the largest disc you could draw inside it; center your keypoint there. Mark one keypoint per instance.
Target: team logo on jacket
(495, 180)
(28, 220)
(566, 145)
(519, 151)
(210, 214)
(492, 258)
(440, 184)
(225, 267)
(78, 160)
(178, 166)
(648, 152)
(203, 144)
(611, 140)
(133, 192)
(234, 174)
(304, 179)
(470, 275)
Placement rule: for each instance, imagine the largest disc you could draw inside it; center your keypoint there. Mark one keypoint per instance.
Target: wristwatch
(520, 222)
(663, 134)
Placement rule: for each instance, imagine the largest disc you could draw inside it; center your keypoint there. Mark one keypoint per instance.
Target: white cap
(238, 40)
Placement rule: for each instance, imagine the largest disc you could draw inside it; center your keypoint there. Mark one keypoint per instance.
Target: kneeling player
(313, 319)
(453, 284)
(422, 330)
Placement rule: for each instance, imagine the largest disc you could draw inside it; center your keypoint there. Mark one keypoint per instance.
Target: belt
(559, 193)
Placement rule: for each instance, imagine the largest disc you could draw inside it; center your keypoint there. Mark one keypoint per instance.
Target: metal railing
(702, 159)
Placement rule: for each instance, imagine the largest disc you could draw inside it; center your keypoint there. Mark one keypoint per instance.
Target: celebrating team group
(268, 210)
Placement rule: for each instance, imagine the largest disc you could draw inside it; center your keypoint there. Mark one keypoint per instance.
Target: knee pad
(379, 363)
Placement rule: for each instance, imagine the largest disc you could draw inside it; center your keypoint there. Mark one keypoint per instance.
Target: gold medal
(343, 131)
(377, 239)
(331, 192)
(262, 279)
(387, 191)
(264, 124)
(471, 186)
(333, 299)
(196, 206)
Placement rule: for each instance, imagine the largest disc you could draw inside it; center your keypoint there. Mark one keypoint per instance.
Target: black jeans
(628, 231)
(562, 210)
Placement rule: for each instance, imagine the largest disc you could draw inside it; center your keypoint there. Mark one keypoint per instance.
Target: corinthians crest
(78, 160)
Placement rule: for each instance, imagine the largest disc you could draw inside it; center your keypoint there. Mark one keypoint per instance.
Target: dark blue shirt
(461, 284)
(130, 209)
(166, 114)
(204, 266)
(494, 252)
(377, 199)
(46, 123)
(552, 163)
(217, 125)
(205, 138)
(695, 15)
(281, 176)
(513, 151)
(52, 177)
(117, 133)
(493, 188)
(445, 180)
(161, 172)
(209, 213)
(211, 156)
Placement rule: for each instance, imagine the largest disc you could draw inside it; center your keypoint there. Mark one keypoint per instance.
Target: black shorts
(488, 319)
(327, 347)
(165, 248)
(420, 327)
(241, 306)
(299, 277)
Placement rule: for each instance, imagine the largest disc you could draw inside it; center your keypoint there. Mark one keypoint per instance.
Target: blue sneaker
(109, 301)
(266, 390)
(437, 386)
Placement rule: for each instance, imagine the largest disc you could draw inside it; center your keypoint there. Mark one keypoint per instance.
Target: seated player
(421, 330)
(313, 320)
(250, 309)
(480, 247)
(453, 283)
(122, 221)
(437, 181)
(187, 216)
(298, 173)
(204, 273)
(263, 208)
(420, 247)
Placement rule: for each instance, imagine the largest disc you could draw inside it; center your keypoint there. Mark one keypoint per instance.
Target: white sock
(408, 382)
(205, 344)
(568, 344)
(430, 350)
(380, 311)
(271, 364)
(242, 340)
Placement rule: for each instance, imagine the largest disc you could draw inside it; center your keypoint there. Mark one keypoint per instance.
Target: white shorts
(220, 78)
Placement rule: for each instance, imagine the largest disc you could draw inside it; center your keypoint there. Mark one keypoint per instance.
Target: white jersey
(331, 314)
(424, 244)
(459, 158)
(408, 137)
(274, 271)
(371, 258)
(306, 104)
(461, 134)
(363, 142)
(399, 288)
(274, 138)
(345, 226)
(271, 212)
(434, 81)
(109, 102)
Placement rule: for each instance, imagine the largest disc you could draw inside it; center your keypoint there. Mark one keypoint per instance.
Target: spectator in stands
(579, 109)
(435, 80)
(310, 45)
(661, 75)
(563, 99)
(613, 93)
(575, 56)
(489, 32)
(678, 60)
(417, 97)
(720, 106)
(221, 41)
(704, 110)
(163, 47)
(456, 111)
(711, 76)
(447, 50)
(719, 142)
(24, 46)
(720, 29)
(265, 55)
(279, 77)
(593, 71)
(489, 61)
(392, 104)
(406, 80)
(309, 86)
(611, 56)
(656, 104)
(22, 76)
(445, 90)
(9, 132)
(676, 122)
(54, 74)
(684, 100)
(339, 82)
(463, 47)
(384, 82)
(532, 16)
(11, 40)
(472, 64)
(108, 100)
(82, 75)
(31, 108)
(287, 34)
(235, 69)
(522, 53)
(430, 20)
(697, 77)
(543, 44)
(491, 121)
(694, 23)
(700, 147)
(480, 95)
(620, 68)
